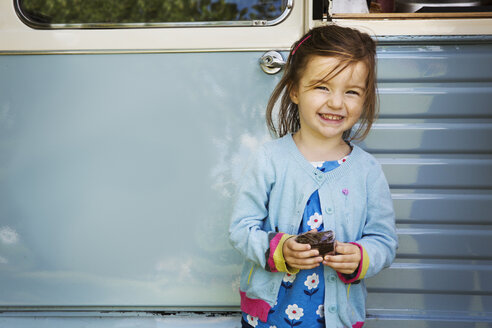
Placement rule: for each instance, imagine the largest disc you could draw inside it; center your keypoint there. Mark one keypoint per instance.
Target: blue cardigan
(356, 204)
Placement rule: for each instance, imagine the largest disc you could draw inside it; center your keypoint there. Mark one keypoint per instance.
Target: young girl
(313, 178)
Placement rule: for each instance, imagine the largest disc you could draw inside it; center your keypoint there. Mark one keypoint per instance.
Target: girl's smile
(329, 105)
(331, 117)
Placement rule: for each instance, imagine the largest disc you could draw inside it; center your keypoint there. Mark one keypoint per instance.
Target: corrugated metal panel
(433, 139)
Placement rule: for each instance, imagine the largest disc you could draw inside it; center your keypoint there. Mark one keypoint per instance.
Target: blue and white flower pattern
(321, 313)
(315, 221)
(289, 277)
(294, 313)
(301, 296)
(312, 281)
(253, 321)
(288, 280)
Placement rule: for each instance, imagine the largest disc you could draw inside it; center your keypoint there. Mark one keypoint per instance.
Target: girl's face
(330, 107)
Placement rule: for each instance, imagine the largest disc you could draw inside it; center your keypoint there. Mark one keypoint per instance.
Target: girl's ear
(294, 95)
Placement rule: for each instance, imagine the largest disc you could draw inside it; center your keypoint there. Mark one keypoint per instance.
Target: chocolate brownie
(324, 241)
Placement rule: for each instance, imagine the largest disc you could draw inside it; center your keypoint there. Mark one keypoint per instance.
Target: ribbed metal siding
(434, 140)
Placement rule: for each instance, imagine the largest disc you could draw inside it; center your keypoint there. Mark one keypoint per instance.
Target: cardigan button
(332, 278)
(332, 308)
(329, 210)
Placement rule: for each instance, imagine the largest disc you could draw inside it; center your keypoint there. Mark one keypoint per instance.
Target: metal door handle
(272, 62)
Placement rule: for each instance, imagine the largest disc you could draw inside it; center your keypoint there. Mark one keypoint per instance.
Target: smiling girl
(313, 178)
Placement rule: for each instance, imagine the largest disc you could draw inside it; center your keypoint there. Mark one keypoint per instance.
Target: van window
(387, 18)
(408, 9)
(150, 13)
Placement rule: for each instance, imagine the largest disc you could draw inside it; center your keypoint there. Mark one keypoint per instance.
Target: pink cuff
(255, 307)
(273, 247)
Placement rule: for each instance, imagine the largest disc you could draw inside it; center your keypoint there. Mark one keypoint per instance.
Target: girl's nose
(335, 100)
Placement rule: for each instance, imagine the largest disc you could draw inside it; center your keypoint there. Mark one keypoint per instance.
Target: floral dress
(301, 296)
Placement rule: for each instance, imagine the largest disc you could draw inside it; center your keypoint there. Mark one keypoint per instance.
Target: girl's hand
(347, 259)
(300, 256)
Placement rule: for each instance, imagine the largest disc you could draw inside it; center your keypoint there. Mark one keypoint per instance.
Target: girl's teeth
(331, 117)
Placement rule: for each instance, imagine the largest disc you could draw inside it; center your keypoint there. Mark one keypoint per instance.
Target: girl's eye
(320, 87)
(353, 92)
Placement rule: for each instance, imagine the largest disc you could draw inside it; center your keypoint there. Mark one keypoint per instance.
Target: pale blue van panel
(117, 174)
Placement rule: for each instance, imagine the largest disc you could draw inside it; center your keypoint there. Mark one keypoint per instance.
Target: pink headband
(299, 44)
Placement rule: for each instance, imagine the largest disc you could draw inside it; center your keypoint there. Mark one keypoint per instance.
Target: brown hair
(349, 46)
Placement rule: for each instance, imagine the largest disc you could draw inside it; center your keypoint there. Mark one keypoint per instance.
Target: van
(125, 125)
